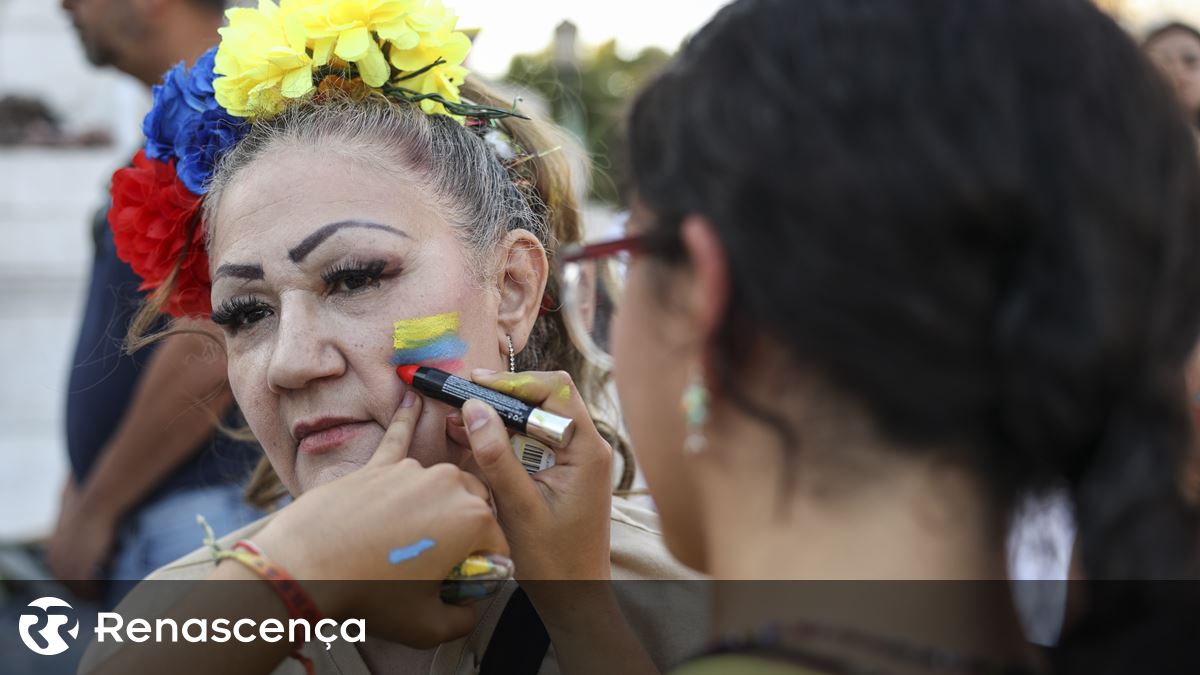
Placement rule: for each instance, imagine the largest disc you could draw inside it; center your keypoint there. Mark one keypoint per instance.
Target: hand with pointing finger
(391, 520)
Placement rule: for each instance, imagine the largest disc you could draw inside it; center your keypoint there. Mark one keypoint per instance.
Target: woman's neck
(913, 543)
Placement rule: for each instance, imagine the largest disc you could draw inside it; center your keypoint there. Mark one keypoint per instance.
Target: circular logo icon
(45, 625)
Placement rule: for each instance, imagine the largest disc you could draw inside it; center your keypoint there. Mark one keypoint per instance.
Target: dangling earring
(694, 403)
(512, 356)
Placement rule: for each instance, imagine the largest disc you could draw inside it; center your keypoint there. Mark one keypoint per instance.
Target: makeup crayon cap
(550, 428)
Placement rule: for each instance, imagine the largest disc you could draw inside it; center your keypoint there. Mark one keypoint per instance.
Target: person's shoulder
(638, 551)
(737, 664)
(627, 513)
(165, 586)
(199, 563)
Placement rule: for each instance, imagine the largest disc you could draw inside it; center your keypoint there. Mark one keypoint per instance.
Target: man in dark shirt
(145, 453)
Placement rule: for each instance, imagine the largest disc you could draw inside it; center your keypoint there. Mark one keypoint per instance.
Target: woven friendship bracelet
(298, 602)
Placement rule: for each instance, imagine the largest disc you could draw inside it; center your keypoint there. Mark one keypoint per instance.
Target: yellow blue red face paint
(429, 341)
(427, 349)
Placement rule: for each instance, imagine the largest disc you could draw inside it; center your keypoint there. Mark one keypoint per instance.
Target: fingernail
(482, 372)
(409, 399)
(476, 414)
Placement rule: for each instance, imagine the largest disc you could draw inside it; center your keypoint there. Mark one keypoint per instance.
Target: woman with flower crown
(324, 181)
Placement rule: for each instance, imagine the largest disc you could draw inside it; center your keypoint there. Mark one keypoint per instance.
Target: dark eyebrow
(251, 272)
(316, 238)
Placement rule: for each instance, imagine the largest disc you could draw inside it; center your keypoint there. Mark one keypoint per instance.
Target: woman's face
(314, 256)
(651, 341)
(1177, 53)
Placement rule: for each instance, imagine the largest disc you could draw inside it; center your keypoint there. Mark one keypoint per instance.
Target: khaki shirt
(669, 618)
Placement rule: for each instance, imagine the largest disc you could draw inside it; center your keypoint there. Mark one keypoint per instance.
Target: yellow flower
(262, 61)
(426, 36)
(346, 29)
(442, 80)
(269, 55)
(423, 19)
(451, 47)
(434, 28)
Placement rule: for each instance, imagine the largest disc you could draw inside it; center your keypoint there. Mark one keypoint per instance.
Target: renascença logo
(46, 620)
(45, 625)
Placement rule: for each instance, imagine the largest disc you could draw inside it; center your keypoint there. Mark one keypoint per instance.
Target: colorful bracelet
(298, 602)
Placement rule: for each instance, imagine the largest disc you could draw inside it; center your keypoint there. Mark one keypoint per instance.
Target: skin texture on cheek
(650, 379)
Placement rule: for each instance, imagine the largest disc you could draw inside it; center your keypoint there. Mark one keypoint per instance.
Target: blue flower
(201, 145)
(198, 87)
(188, 125)
(167, 116)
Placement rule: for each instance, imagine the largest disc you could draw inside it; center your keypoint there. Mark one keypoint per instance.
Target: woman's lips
(331, 437)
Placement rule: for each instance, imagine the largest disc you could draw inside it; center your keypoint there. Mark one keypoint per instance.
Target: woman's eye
(353, 282)
(240, 313)
(354, 277)
(253, 316)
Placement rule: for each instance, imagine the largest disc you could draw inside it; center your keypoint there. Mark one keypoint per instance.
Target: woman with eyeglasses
(892, 267)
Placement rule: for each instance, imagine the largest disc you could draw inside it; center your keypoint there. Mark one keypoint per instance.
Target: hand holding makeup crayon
(560, 515)
(556, 520)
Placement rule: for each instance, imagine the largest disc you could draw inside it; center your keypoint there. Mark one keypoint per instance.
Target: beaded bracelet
(298, 602)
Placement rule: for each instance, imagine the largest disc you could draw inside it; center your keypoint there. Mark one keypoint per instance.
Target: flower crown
(269, 57)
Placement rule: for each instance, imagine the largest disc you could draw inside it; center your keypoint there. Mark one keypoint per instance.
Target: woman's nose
(306, 348)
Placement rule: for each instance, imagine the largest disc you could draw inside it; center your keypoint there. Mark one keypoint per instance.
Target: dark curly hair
(981, 221)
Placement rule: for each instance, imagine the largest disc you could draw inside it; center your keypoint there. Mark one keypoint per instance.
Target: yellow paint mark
(564, 394)
(517, 385)
(474, 566)
(409, 333)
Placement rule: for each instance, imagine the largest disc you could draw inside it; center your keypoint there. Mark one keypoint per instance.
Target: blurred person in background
(1175, 48)
(145, 452)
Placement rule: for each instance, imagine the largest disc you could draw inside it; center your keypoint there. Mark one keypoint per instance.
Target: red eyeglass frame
(603, 249)
(578, 253)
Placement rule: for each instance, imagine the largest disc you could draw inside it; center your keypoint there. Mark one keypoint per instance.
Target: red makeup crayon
(518, 415)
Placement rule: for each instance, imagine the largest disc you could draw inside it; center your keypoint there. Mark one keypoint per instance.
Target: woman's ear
(706, 291)
(521, 280)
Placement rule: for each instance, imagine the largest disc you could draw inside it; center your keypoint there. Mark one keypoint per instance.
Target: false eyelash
(372, 270)
(233, 312)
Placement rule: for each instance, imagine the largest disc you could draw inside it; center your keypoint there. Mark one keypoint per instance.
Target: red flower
(153, 216)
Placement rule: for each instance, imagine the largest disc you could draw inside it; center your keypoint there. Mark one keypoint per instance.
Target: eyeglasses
(592, 282)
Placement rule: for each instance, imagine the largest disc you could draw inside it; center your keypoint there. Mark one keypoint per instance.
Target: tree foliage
(589, 98)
